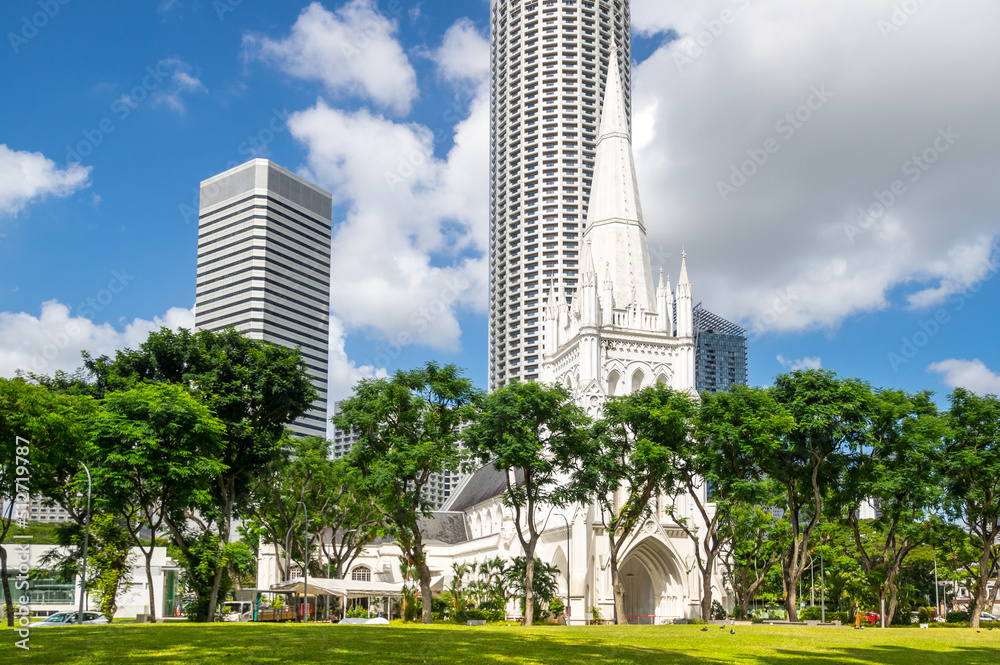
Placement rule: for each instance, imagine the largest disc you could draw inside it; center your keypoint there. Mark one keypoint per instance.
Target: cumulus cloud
(344, 372)
(820, 164)
(973, 375)
(54, 339)
(351, 50)
(27, 176)
(411, 250)
(464, 54)
(801, 363)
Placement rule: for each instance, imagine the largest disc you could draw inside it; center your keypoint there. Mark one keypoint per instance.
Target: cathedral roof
(483, 485)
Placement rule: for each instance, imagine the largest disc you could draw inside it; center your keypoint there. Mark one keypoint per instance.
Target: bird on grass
(732, 631)
(705, 629)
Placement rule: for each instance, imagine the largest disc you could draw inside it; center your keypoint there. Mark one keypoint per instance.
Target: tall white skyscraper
(264, 266)
(550, 63)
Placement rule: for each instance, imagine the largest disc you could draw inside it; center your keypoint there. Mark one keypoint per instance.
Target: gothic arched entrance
(652, 581)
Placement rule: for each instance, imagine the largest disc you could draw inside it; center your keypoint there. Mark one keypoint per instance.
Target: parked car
(870, 617)
(69, 619)
(986, 616)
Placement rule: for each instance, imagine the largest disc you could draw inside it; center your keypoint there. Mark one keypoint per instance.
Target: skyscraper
(264, 266)
(720, 353)
(550, 63)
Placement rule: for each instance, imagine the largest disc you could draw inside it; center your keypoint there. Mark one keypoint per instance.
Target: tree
(534, 435)
(39, 430)
(894, 466)
(159, 446)
(971, 465)
(736, 431)
(634, 455)
(543, 585)
(255, 388)
(753, 546)
(829, 417)
(408, 427)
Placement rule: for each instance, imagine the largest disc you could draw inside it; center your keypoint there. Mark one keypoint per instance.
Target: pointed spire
(684, 270)
(588, 260)
(661, 286)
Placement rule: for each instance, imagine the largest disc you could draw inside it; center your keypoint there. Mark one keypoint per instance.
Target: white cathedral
(617, 336)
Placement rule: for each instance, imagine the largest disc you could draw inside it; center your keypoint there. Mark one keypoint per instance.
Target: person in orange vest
(857, 616)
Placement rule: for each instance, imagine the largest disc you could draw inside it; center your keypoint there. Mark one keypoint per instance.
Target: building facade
(550, 63)
(721, 357)
(264, 266)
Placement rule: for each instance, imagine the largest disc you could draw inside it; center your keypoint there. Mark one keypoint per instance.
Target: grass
(179, 644)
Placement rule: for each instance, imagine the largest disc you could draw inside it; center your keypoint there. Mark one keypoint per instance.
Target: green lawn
(177, 644)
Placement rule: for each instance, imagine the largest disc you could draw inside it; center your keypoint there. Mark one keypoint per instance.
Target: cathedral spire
(615, 223)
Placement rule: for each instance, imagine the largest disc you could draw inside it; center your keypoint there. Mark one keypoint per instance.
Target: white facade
(133, 599)
(550, 62)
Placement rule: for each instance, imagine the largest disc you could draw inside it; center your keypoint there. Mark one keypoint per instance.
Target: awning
(343, 588)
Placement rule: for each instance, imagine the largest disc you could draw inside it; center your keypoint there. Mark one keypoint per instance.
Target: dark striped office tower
(264, 266)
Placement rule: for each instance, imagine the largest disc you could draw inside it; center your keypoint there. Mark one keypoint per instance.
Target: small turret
(685, 302)
(664, 307)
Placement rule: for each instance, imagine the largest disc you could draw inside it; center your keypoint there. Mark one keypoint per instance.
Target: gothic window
(637, 380)
(361, 574)
(613, 380)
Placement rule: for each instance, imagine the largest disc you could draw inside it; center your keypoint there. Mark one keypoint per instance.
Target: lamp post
(822, 583)
(305, 566)
(86, 546)
(937, 597)
(568, 532)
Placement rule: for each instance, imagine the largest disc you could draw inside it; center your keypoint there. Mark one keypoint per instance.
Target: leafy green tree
(534, 435)
(895, 466)
(829, 417)
(42, 436)
(159, 445)
(633, 457)
(753, 547)
(255, 388)
(736, 432)
(543, 585)
(408, 427)
(971, 465)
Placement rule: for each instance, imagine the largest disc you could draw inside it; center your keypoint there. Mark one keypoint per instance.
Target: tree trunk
(791, 594)
(706, 590)
(529, 591)
(6, 587)
(426, 599)
(149, 581)
(979, 603)
(224, 529)
(618, 588)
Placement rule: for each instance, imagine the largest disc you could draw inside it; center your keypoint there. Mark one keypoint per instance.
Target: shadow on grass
(245, 644)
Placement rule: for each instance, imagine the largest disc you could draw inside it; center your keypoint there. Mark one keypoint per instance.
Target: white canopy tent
(346, 589)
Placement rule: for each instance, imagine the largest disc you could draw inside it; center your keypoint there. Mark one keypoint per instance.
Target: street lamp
(86, 546)
(305, 567)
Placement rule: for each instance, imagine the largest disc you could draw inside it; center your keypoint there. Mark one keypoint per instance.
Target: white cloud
(410, 252)
(54, 340)
(973, 375)
(801, 363)
(345, 373)
(351, 50)
(786, 251)
(26, 176)
(464, 55)
(182, 81)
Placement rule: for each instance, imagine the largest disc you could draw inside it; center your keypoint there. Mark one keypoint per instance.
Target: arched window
(361, 574)
(637, 380)
(662, 380)
(613, 380)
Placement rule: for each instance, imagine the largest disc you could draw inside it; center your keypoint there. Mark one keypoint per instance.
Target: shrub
(595, 613)
(557, 607)
(842, 617)
(902, 617)
(957, 617)
(814, 613)
(465, 616)
(924, 615)
(696, 622)
(718, 611)
(756, 619)
(357, 612)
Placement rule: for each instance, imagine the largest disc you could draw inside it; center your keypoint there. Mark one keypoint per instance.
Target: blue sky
(386, 104)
